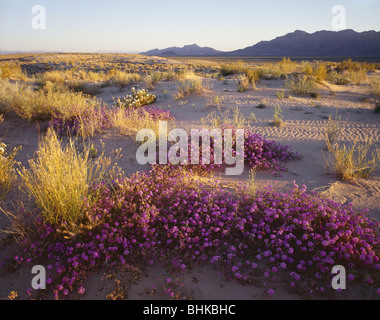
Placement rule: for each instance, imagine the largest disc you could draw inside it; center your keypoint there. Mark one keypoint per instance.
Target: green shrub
(231, 68)
(138, 99)
(277, 118)
(302, 85)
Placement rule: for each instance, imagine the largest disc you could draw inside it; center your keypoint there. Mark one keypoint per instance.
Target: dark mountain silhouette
(189, 50)
(346, 43)
(321, 43)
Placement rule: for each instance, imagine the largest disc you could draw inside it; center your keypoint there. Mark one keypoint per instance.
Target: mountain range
(345, 43)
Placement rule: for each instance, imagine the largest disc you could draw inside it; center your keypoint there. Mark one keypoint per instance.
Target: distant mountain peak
(299, 32)
(187, 50)
(194, 45)
(324, 43)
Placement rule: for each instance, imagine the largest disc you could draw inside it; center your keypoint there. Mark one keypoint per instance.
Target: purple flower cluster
(266, 154)
(159, 114)
(259, 153)
(100, 118)
(66, 126)
(156, 217)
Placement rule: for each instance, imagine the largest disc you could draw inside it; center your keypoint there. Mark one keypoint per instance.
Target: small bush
(302, 85)
(332, 130)
(59, 179)
(352, 161)
(122, 78)
(51, 101)
(7, 170)
(189, 86)
(317, 69)
(375, 88)
(9, 71)
(338, 78)
(243, 83)
(231, 68)
(277, 118)
(347, 77)
(280, 94)
(138, 99)
(253, 75)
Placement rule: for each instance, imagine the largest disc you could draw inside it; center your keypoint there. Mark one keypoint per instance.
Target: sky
(141, 25)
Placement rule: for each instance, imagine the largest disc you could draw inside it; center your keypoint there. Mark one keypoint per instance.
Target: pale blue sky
(140, 25)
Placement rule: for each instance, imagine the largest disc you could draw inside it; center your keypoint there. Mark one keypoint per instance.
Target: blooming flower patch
(163, 216)
(259, 153)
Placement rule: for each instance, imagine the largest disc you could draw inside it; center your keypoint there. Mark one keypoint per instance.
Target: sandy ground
(305, 119)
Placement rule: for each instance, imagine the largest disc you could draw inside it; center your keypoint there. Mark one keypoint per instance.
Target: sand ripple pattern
(314, 130)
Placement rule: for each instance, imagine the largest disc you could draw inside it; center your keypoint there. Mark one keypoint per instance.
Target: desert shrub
(57, 76)
(243, 83)
(232, 68)
(276, 70)
(86, 124)
(52, 100)
(353, 161)
(302, 85)
(8, 71)
(131, 120)
(137, 99)
(347, 77)
(189, 86)
(286, 66)
(338, 78)
(253, 75)
(349, 65)
(59, 179)
(122, 78)
(374, 88)
(357, 77)
(280, 94)
(152, 78)
(316, 69)
(7, 168)
(277, 118)
(332, 130)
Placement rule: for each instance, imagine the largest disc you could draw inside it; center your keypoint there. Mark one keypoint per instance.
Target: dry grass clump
(278, 69)
(353, 161)
(375, 88)
(244, 83)
(302, 85)
(316, 69)
(60, 177)
(350, 161)
(190, 85)
(12, 71)
(44, 103)
(151, 79)
(7, 164)
(129, 121)
(332, 130)
(232, 68)
(278, 117)
(122, 78)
